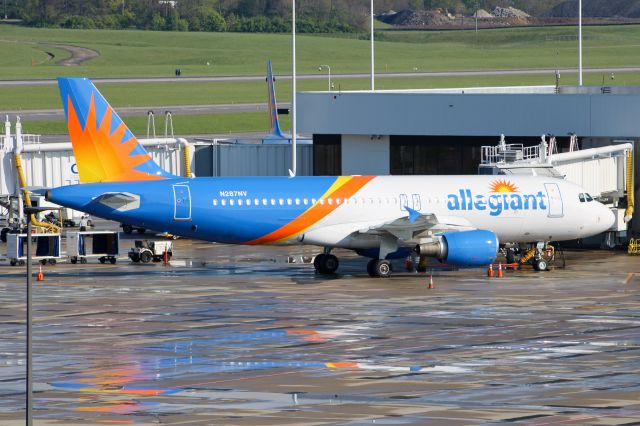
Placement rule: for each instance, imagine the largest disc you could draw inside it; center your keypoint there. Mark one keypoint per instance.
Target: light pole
(29, 211)
(580, 43)
(329, 69)
(294, 129)
(373, 83)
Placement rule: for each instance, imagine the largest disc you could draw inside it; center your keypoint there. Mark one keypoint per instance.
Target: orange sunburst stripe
(316, 212)
(102, 156)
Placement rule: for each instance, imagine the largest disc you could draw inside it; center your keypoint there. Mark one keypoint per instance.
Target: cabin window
(297, 201)
(589, 198)
(281, 202)
(215, 202)
(256, 202)
(239, 202)
(273, 202)
(289, 201)
(231, 202)
(313, 201)
(581, 197)
(223, 202)
(305, 201)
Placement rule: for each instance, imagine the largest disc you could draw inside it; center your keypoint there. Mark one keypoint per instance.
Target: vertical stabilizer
(273, 108)
(105, 149)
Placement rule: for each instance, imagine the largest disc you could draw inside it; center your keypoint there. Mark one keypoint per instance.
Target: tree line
(313, 16)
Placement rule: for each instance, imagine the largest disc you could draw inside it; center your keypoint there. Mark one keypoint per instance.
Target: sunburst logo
(101, 154)
(502, 186)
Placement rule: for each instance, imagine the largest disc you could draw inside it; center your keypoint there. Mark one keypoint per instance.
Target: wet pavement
(240, 336)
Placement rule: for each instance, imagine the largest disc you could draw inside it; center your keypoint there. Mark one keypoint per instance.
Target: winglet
(413, 214)
(274, 121)
(104, 148)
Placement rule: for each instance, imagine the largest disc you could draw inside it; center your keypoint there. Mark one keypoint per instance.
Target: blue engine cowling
(465, 248)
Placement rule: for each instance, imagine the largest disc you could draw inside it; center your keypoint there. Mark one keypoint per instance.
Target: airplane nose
(605, 218)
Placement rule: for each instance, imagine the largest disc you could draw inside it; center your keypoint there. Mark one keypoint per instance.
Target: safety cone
(40, 276)
(490, 271)
(499, 270)
(430, 282)
(166, 257)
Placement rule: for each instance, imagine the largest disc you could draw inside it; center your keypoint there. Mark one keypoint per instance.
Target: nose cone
(604, 218)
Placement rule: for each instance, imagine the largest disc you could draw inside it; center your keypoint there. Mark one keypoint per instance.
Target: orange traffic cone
(499, 270)
(166, 257)
(40, 276)
(490, 271)
(430, 282)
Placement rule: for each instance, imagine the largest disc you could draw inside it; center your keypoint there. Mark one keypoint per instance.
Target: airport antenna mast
(292, 171)
(580, 43)
(373, 83)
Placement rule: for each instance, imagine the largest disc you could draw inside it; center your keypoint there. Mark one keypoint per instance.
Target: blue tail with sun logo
(104, 147)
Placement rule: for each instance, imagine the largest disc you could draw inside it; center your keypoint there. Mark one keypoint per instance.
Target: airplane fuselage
(336, 211)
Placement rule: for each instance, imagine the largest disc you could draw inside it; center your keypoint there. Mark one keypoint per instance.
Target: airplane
(460, 220)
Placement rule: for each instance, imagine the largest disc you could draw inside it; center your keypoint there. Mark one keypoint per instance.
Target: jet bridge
(605, 172)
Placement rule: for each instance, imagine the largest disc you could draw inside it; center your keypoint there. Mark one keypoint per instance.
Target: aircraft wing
(408, 227)
(121, 201)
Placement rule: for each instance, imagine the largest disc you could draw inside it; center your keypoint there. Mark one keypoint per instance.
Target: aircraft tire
(128, 229)
(318, 261)
(331, 264)
(383, 268)
(540, 265)
(74, 260)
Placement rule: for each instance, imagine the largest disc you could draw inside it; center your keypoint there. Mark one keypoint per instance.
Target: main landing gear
(326, 263)
(379, 268)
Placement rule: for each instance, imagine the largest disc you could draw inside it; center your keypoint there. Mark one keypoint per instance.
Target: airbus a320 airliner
(460, 220)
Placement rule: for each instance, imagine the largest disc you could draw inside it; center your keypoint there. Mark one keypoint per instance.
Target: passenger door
(181, 202)
(554, 198)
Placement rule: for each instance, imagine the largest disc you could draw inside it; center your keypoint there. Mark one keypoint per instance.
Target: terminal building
(442, 131)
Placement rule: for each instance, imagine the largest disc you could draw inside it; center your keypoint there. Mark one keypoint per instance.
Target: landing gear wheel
(318, 261)
(326, 264)
(382, 268)
(83, 260)
(141, 230)
(74, 260)
(52, 261)
(540, 265)
(511, 256)
(102, 260)
(128, 229)
(43, 262)
(112, 260)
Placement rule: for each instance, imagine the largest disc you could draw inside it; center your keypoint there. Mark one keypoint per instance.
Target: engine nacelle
(466, 248)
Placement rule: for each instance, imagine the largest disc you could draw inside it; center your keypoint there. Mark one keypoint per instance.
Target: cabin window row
(307, 201)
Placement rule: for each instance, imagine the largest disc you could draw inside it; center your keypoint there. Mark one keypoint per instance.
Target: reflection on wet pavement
(239, 335)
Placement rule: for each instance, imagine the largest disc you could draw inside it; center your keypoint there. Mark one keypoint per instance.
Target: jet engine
(465, 248)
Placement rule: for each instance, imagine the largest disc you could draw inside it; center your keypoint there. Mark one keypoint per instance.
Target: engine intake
(466, 248)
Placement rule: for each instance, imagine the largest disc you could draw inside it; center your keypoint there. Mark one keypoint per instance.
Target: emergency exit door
(554, 199)
(181, 202)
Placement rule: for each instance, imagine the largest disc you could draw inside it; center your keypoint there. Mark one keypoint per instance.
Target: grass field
(202, 124)
(148, 53)
(134, 53)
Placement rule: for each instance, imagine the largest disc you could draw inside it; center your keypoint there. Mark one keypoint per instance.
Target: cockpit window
(589, 198)
(581, 197)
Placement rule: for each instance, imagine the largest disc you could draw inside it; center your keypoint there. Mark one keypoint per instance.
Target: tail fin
(273, 108)
(105, 149)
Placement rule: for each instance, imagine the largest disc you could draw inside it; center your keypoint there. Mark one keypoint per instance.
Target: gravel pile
(509, 12)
